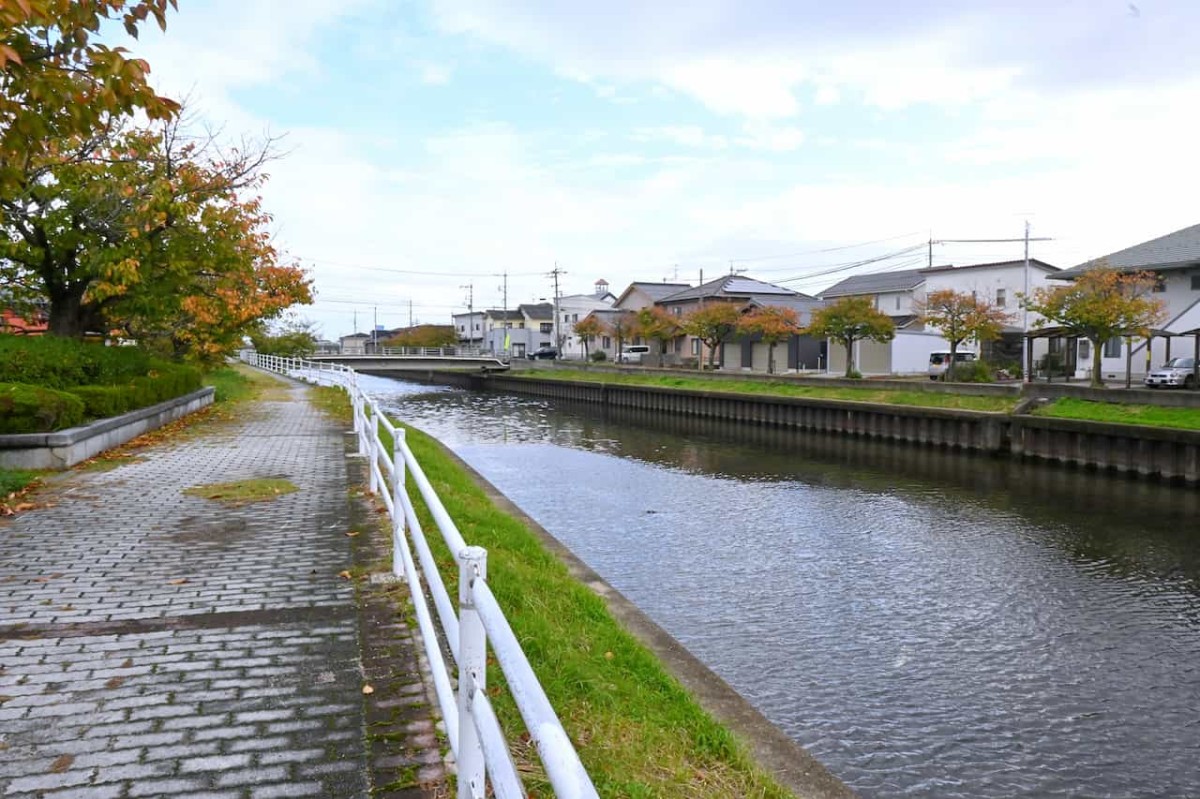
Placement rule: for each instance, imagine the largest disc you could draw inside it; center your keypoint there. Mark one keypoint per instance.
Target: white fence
(478, 743)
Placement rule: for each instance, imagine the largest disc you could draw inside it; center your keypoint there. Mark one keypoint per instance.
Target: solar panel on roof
(742, 285)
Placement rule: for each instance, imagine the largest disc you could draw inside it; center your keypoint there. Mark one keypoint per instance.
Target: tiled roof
(876, 283)
(1034, 262)
(540, 310)
(731, 287)
(801, 304)
(1172, 251)
(655, 291)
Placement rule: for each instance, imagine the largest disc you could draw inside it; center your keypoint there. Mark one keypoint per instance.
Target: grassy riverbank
(1115, 413)
(639, 733)
(780, 388)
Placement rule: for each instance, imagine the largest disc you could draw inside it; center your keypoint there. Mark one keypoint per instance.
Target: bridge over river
(397, 360)
(926, 623)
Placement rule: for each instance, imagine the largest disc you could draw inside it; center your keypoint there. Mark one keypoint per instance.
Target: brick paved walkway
(159, 644)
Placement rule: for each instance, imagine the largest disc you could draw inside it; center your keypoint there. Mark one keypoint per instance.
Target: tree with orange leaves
(656, 324)
(1102, 303)
(961, 316)
(587, 329)
(58, 82)
(152, 235)
(772, 324)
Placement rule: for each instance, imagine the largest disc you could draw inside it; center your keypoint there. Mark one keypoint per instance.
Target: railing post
(472, 662)
(372, 450)
(400, 520)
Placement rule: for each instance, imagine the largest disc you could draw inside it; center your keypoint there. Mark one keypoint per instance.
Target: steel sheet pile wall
(1135, 450)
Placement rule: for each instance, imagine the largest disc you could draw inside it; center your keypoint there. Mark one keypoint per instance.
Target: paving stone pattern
(159, 644)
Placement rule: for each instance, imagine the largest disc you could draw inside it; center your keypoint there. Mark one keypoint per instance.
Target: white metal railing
(437, 352)
(478, 743)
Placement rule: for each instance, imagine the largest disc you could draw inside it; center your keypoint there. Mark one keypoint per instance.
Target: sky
(431, 147)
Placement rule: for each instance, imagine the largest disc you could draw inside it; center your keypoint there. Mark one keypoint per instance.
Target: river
(925, 623)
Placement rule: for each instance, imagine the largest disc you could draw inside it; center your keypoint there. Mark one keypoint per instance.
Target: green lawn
(1114, 413)
(638, 732)
(889, 396)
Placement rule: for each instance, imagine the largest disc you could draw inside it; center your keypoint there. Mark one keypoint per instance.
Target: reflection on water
(927, 623)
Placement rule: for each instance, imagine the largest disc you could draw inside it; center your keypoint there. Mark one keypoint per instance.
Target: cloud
(432, 74)
(753, 57)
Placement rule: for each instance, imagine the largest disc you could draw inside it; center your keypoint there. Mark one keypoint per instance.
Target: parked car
(544, 353)
(939, 362)
(633, 353)
(1174, 373)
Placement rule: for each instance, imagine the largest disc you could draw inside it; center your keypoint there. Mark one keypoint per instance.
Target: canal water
(925, 623)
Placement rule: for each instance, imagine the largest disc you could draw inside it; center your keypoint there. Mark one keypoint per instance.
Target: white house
(469, 327)
(901, 295)
(1175, 260)
(574, 307)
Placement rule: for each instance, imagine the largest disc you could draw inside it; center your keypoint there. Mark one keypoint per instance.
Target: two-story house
(1175, 261)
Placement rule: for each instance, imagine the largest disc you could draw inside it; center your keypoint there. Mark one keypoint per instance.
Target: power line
(819, 251)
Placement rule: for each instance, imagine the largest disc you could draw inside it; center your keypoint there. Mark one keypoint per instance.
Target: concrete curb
(63, 449)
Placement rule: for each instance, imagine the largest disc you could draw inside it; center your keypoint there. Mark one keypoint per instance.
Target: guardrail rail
(476, 739)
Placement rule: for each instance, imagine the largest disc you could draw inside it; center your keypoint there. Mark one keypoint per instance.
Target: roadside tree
(149, 235)
(1101, 304)
(772, 324)
(58, 82)
(288, 337)
(424, 336)
(849, 320)
(587, 329)
(623, 327)
(656, 324)
(961, 316)
(712, 324)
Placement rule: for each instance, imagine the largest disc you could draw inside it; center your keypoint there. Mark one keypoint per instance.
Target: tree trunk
(68, 317)
(1097, 363)
(712, 355)
(771, 358)
(849, 342)
(953, 359)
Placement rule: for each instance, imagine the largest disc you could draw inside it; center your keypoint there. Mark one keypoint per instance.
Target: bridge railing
(437, 352)
(479, 745)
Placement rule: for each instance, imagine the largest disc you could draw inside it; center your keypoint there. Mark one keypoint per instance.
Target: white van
(633, 353)
(939, 362)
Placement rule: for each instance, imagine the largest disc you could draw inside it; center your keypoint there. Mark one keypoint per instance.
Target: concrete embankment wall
(1160, 453)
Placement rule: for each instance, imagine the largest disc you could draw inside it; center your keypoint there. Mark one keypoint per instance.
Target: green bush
(36, 409)
(61, 363)
(598, 355)
(972, 372)
(100, 402)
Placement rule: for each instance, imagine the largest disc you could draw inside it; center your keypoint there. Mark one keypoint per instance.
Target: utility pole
(931, 249)
(1025, 313)
(410, 319)
(375, 329)
(557, 337)
(470, 287)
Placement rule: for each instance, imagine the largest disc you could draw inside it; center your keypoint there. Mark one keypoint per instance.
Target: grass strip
(638, 731)
(13, 481)
(1116, 413)
(779, 388)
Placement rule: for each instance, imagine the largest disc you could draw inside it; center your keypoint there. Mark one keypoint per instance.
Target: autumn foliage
(848, 320)
(589, 328)
(712, 324)
(772, 324)
(1102, 303)
(962, 316)
(57, 81)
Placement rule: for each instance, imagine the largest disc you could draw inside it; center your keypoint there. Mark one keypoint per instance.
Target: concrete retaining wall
(65, 448)
(1158, 453)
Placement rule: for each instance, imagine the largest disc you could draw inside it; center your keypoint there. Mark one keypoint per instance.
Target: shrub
(100, 402)
(972, 372)
(598, 355)
(36, 409)
(855, 374)
(60, 363)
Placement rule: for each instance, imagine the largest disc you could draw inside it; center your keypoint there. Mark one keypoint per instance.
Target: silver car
(1174, 373)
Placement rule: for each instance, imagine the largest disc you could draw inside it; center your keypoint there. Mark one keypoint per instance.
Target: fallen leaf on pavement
(368, 690)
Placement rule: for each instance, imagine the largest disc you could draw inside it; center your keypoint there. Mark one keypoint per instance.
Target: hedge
(36, 409)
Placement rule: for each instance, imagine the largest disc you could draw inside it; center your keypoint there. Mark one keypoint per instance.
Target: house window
(1085, 350)
(897, 302)
(566, 317)
(1112, 348)
(1195, 282)
(605, 342)
(696, 347)
(1160, 283)
(546, 327)
(1001, 297)
(574, 317)
(677, 310)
